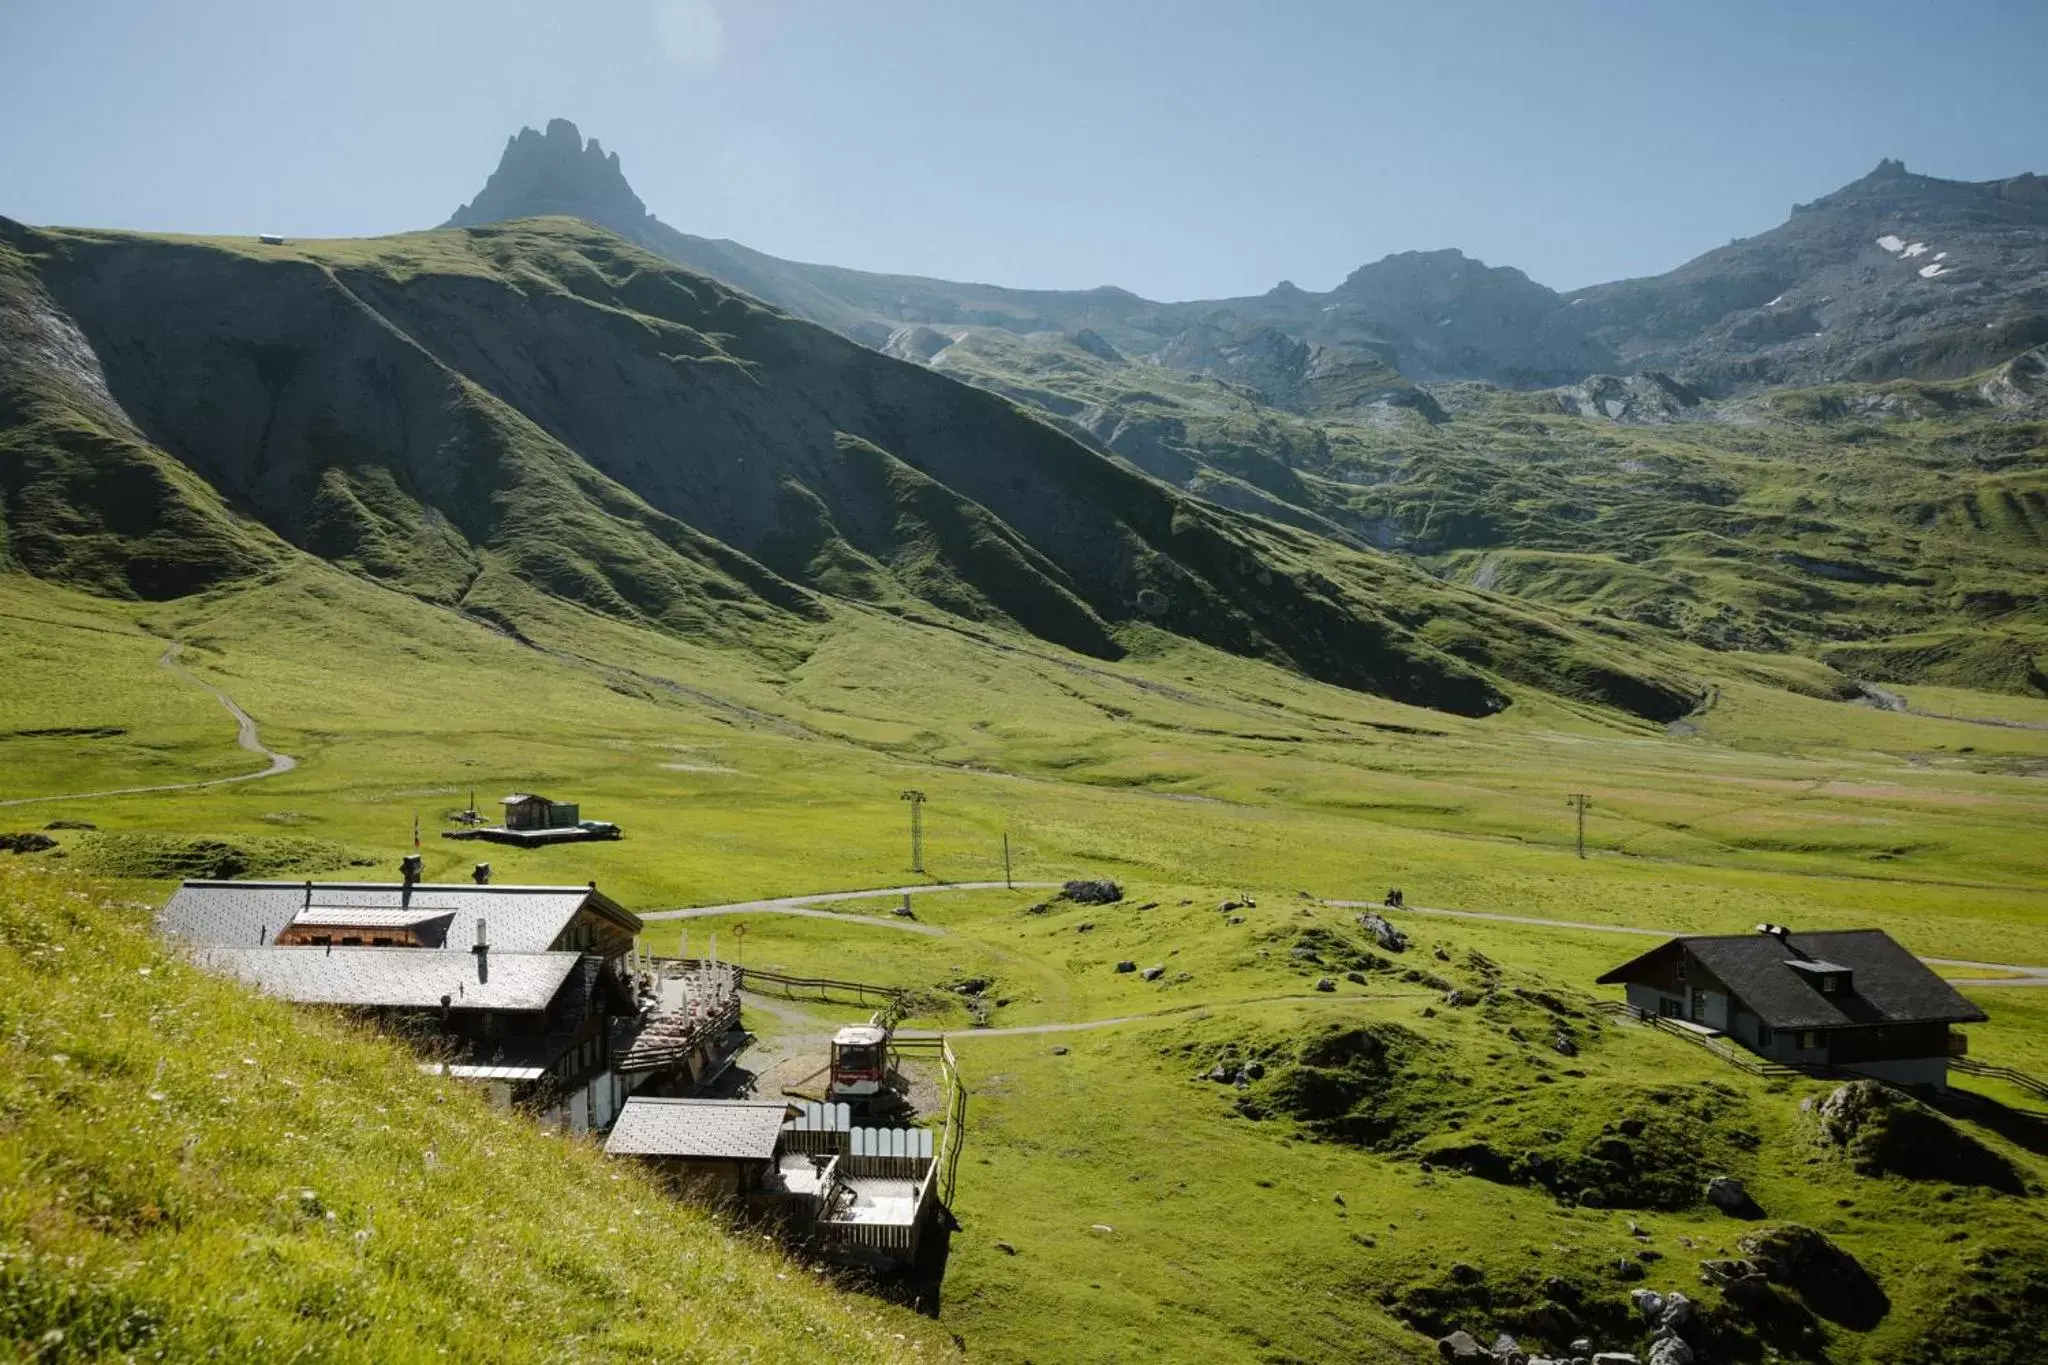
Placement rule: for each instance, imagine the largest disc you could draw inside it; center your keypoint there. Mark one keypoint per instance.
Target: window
(1809, 1040)
(1830, 984)
(1669, 1008)
(1763, 1035)
(1679, 967)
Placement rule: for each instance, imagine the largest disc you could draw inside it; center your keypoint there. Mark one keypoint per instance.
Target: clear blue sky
(1194, 149)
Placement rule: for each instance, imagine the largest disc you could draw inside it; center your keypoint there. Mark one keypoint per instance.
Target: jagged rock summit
(556, 172)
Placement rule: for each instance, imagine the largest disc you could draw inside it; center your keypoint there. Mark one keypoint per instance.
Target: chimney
(446, 1001)
(409, 870)
(483, 937)
(1782, 934)
(308, 902)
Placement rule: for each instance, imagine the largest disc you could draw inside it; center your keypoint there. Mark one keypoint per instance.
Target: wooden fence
(952, 1102)
(2030, 1084)
(776, 983)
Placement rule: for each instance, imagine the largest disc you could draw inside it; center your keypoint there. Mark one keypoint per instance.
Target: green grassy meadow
(1190, 776)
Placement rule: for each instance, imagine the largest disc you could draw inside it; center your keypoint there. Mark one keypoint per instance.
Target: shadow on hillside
(2021, 1127)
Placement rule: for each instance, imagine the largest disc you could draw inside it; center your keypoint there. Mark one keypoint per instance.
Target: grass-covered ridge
(539, 405)
(1895, 530)
(188, 1171)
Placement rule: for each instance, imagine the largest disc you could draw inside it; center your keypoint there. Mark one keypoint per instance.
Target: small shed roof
(1770, 974)
(370, 917)
(731, 1130)
(398, 978)
(521, 798)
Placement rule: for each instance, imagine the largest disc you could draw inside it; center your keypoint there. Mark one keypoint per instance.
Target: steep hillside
(192, 1172)
(543, 403)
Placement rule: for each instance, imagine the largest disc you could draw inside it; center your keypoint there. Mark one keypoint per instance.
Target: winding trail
(246, 736)
(1082, 1025)
(806, 905)
(2017, 974)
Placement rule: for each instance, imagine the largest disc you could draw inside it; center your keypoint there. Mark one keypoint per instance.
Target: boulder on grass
(1728, 1195)
(1092, 892)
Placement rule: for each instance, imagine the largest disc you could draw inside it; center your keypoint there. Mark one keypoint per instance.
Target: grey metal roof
(732, 1130)
(1888, 984)
(521, 919)
(398, 978)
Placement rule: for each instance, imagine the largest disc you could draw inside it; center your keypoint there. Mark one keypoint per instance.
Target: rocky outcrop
(1893, 276)
(556, 172)
(1826, 1280)
(1884, 1133)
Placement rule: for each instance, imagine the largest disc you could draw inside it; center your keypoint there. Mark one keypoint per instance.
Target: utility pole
(1581, 801)
(1006, 862)
(916, 800)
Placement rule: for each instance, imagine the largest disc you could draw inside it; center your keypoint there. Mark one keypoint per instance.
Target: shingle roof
(732, 1130)
(1890, 985)
(398, 978)
(522, 919)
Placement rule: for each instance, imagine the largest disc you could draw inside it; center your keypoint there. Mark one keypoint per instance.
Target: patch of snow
(1775, 302)
(1917, 249)
(1443, 322)
(1891, 243)
(1941, 255)
(1329, 308)
(1614, 406)
(1928, 272)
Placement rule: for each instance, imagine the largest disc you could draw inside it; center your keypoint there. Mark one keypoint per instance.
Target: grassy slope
(1896, 530)
(189, 1173)
(1188, 773)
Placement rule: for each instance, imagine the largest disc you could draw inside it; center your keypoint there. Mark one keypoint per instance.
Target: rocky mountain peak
(1412, 277)
(556, 172)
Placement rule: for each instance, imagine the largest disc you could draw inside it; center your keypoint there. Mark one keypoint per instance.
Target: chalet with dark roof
(1850, 998)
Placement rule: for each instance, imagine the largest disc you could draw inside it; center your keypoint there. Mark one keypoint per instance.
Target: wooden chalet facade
(1850, 999)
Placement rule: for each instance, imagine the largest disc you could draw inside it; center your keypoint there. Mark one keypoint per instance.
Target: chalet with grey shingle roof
(517, 987)
(1851, 998)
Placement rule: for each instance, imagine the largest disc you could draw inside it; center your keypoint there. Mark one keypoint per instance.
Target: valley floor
(1112, 1205)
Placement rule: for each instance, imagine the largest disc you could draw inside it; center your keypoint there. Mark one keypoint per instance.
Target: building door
(1699, 1005)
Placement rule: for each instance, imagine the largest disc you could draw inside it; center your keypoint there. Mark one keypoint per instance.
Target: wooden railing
(1742, 1061)
(2030, 1084)
(760, 979)
(953, 1103)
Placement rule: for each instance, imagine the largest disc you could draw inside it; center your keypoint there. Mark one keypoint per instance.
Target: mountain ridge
(1738, 317)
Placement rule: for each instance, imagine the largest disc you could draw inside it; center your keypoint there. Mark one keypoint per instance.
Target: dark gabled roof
(398, 978)
(521, 919)
(1891, 986)
(732, 1130)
